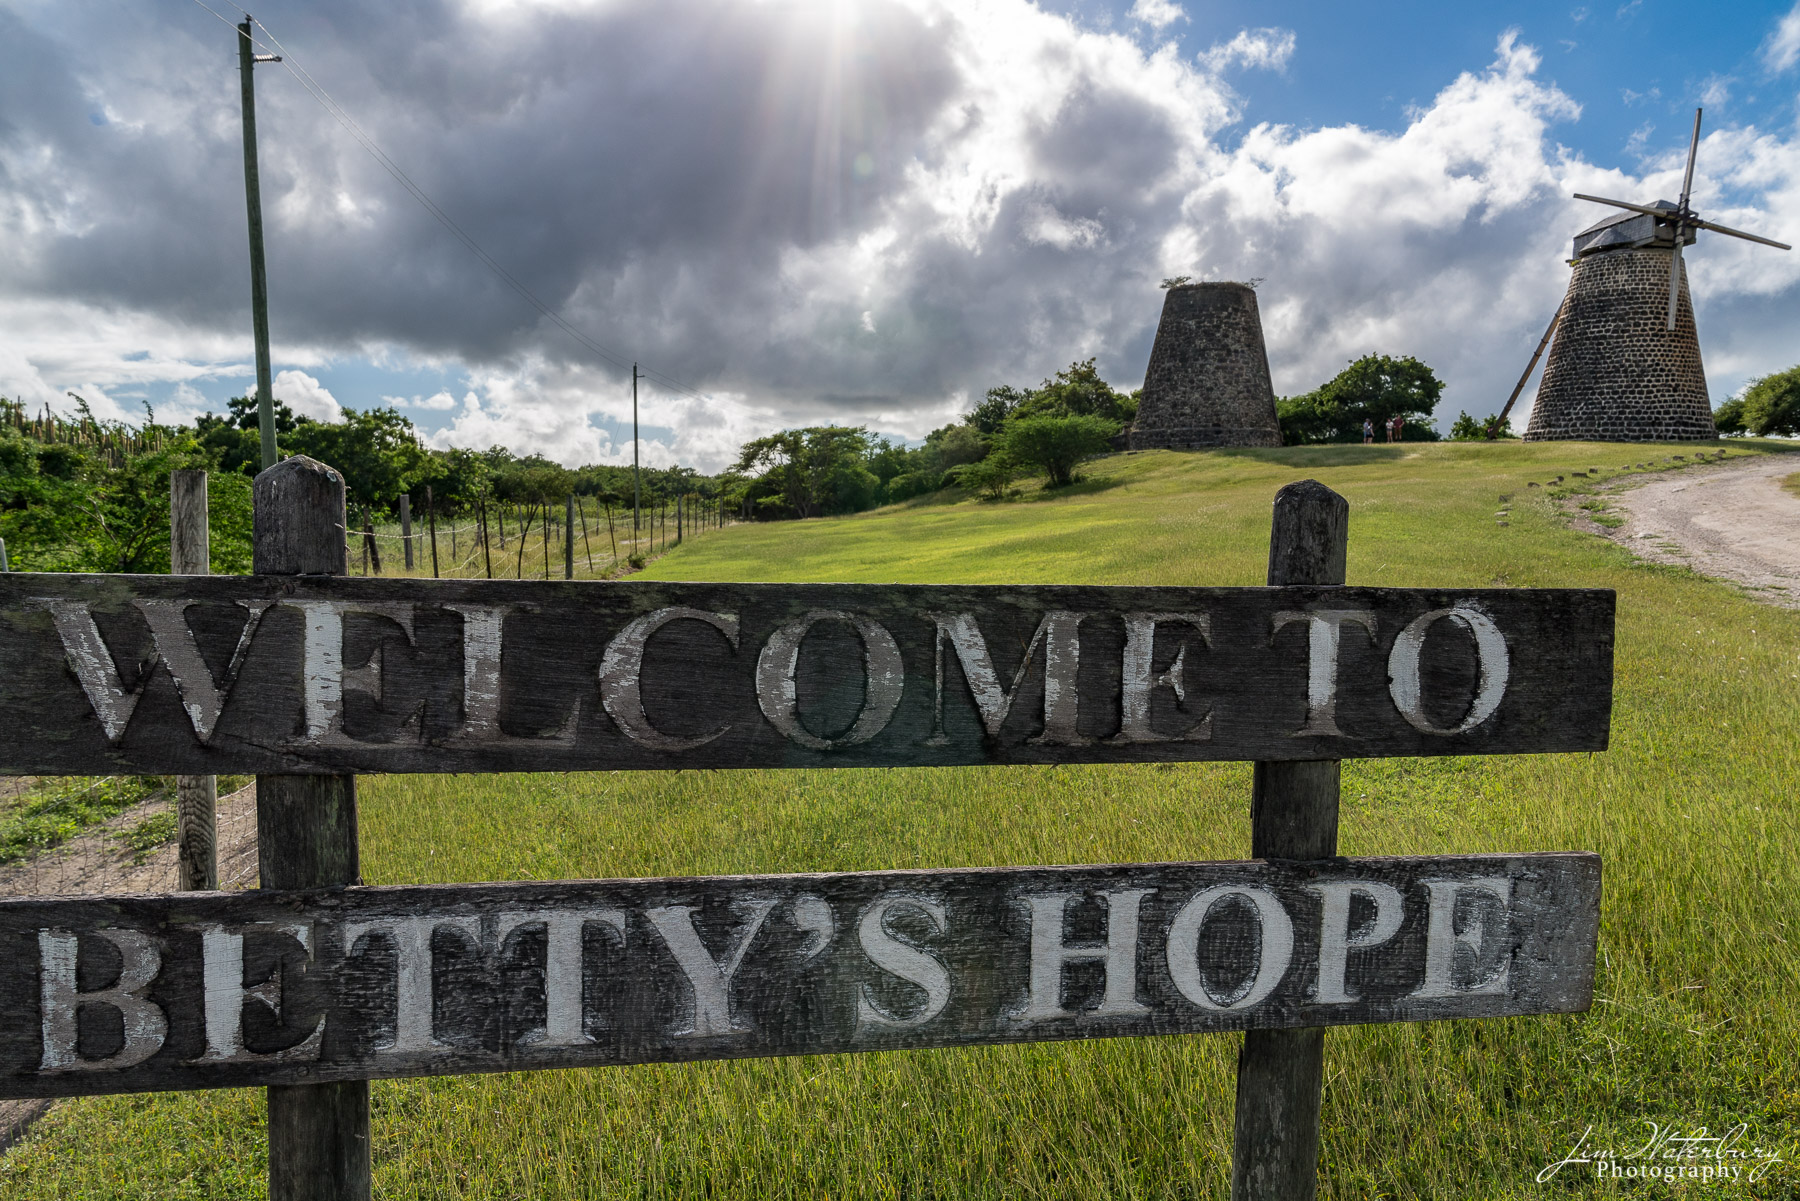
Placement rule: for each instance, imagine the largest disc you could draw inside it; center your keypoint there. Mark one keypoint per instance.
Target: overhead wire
(317, 91)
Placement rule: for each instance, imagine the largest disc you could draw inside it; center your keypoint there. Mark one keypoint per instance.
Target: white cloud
(437, 402)
(303, 394)
(1157, 13)
(1781, 50)
(991, 193)
(1716, 90)
(1266, 49)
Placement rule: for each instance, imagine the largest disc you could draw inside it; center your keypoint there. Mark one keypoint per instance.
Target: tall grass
(1698, 990)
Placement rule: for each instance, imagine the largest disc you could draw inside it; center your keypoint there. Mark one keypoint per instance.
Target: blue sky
(860, 211)
(1637, 69)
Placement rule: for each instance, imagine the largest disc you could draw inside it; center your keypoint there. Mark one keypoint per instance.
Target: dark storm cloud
(860, 211)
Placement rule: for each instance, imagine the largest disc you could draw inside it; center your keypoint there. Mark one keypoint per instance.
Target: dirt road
(1733, 521)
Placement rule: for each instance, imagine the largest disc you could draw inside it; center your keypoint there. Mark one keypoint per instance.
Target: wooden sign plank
(203, 990)
(152, 674)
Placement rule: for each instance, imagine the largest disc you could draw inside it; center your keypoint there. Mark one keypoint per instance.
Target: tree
(991, 476)
(1769, 405)
(1077, 391)
(1375, 388)
(812, 471)
(1728, 418)
(995, 408)
(377, 451)
(1057, 445)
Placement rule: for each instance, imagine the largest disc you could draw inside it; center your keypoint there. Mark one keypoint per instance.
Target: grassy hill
(1697, 1013)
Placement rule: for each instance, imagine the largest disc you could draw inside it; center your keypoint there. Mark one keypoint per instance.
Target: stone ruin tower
(1208, 381)
(1617, 371)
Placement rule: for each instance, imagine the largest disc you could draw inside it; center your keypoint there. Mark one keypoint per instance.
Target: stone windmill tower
(1624, 353)
(1208, 381)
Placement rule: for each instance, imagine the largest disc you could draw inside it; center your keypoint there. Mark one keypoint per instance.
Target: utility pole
(636, 492)
(259, 280)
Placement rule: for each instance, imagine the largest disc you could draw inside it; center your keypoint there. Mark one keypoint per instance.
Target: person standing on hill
(1399, 428)
(1368, 430)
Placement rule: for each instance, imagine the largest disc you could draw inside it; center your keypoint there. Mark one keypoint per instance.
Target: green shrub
(157, 830)
(59, 809)
(1056, 445)
(991, 477)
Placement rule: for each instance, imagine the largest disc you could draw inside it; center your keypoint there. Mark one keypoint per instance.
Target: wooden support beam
(1293, 815)
(306, 838)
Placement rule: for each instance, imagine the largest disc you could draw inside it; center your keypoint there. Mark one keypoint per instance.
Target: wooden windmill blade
(1681, 213)
(1624, 204)
(1738, 233)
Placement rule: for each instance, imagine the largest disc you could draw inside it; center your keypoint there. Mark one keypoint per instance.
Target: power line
(338, 113)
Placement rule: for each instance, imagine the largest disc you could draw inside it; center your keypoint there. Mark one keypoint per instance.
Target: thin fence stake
(519, 566)
(487, 550)
(569, 536)
(581, 508)
(431, 523)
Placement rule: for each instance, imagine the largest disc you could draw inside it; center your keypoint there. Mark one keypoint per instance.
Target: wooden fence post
(569, 536)
(431, 523)
(306, 838)
(1293, 815)
(196, 797)
(406, 528)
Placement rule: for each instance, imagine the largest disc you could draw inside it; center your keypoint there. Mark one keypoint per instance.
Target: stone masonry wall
(1208, 381)
(1617, 373)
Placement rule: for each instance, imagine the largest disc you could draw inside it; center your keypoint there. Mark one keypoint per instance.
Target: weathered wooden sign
(201, 990)
(154, 674)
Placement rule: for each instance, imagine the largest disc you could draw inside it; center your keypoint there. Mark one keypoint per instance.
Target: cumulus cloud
(1781, 50)
(1265, 49)
(437, 402)
(867, 212)
(1157, 13)
(303, 394)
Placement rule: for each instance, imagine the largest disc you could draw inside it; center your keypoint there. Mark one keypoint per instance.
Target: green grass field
(1696, 1019)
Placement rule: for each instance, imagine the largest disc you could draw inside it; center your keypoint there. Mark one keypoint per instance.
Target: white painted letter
(222, 978)
(1274, 952)
(900, 958)
(709, 978)
(1059, 631)
(92, 663)
(1322, 662)
(200, 696)
(620, 690)
(1138, 679)
(1049, 953)
(1491, 661)
(1335, 939)
(326, 678)
(482, 626)
(59, 999)
(1442, 938)
(412, 972)
(883, 673)
(562, 968)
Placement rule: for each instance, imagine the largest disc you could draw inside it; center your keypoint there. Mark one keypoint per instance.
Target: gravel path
(1731, 520)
